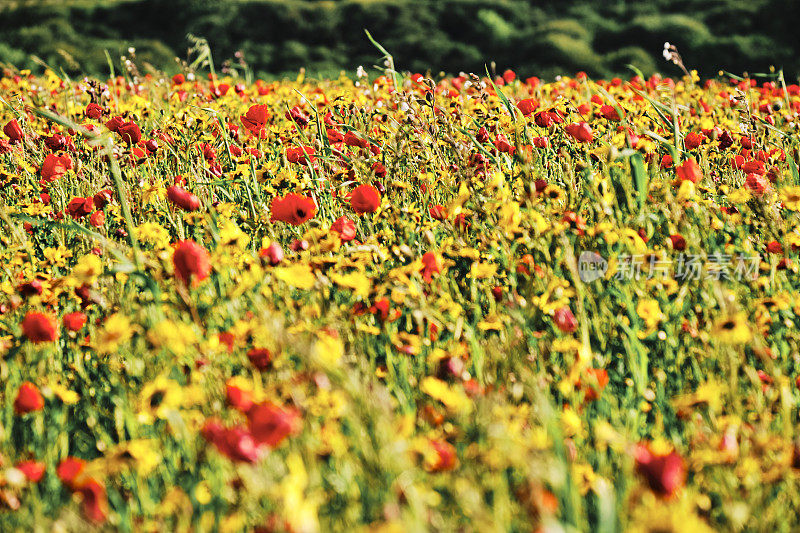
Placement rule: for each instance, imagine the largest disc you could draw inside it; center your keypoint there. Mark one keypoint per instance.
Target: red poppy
(351, 139)
(678, 242)
(693, 140)
(754, 167)
(256, 118)
(365, 199)
(527, 106)
(69, 470)
(756, 184)
(345, 227)
(580, 131)
(183, 198)
(270, 424)
(114, 123)
(502, 145)
(334, 136)
(178, 79)
(260, 358)
(565, 321)
(94, 111)
(380, 309)
(437, 212)
(55, 166)
(39, 327)
(609, 112)
(689, 170)
(239, 399)
(445, 456)
(95, 502)
(28, 400)
(297, 116)
(293, 209)
(102, 198)
(300, 155)
(74, 321)
(97, 219)
(431, 264)
(191, 260)
(33, 470)
(664, 473)
(594, 382)
(236, 443)
(13, 130)
(79, 207)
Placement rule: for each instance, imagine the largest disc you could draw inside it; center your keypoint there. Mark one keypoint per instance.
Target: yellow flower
(299, 276)
(64, 394)
(732, 329)
(790, 196)
(357, 281)
(686, 191)
(649, 311)
(175, 336)
(152, 233)
(329, 348)
(483, 270)
(88, 269)
(116, 330)
(158, 399)
(139, 454)
(441, 391)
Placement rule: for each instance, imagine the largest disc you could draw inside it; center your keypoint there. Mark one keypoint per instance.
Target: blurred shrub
(279, 36)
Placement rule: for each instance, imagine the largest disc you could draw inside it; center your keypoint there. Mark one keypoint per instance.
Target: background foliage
(545, 37)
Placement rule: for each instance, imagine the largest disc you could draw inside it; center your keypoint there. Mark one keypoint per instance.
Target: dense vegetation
(546, 37)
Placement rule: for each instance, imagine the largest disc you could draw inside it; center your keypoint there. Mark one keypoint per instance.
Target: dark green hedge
(545, 37)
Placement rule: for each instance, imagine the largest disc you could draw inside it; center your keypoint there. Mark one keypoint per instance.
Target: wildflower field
(399, 303)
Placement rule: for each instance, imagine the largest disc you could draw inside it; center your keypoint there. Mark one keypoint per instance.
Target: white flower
(667, 45)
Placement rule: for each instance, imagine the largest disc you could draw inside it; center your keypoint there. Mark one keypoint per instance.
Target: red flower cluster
(72, 472)
(267, 426)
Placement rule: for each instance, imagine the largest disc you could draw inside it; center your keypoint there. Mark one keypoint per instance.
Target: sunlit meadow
(397, 302)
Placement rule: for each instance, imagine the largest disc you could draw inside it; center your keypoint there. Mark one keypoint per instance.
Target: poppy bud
(13, 130)
(183, 198)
